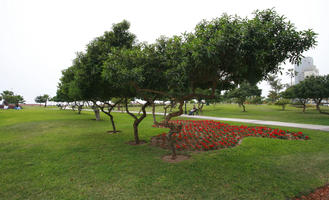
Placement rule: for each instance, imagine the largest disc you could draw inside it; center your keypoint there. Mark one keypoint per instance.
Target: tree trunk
(304, 107)
(283, 106)
(172, 145)
(318, 102)
(165, 113)
(110, 108)
(173, 128)
(153, 113)
(113, 125)
(137, 120)
(200, 106)
(172, 105)
(79, 109)
(136, 137)
(96, 111)
(243, 106)
(45, 104)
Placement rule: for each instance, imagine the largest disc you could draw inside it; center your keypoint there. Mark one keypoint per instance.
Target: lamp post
(185, 107)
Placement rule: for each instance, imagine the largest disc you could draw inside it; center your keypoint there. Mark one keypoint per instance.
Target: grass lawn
(262, 112)
(52, 154)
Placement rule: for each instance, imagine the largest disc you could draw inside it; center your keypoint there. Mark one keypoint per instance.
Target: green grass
(269, 113)
(52, 154)
(262, 112)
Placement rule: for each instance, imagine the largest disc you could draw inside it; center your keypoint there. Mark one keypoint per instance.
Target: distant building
(305, 69)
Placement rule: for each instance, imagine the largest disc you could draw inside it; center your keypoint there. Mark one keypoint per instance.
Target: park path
(251, 121)
(254, 121)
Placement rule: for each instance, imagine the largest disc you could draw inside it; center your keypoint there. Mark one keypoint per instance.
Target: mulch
(321, 193)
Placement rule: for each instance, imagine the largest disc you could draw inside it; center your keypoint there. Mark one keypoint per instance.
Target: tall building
(304, 69)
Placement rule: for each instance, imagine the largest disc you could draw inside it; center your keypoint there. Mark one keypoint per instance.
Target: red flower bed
(210, 135)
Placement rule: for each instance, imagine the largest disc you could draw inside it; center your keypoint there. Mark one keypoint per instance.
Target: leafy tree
(317, 89)
(276, 87)
(291, 73)
(63, 88)
(42, 99)
(88, 77)
(10, 98)
(124, 67)
(241, 93)
(297, 93)
(216, 99)
(255, 100)
(282, 102)
(38, 99)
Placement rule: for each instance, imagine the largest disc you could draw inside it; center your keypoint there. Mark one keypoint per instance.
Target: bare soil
(321, 193)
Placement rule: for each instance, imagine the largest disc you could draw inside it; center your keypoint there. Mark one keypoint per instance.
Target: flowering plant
(211, 135)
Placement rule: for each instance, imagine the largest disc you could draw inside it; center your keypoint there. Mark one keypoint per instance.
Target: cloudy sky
(39, 38)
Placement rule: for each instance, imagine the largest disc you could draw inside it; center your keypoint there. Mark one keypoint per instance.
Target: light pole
(185, 107)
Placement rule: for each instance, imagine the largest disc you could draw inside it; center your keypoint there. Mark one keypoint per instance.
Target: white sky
(39, 38)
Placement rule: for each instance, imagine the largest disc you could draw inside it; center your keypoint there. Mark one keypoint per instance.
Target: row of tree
(218, 55)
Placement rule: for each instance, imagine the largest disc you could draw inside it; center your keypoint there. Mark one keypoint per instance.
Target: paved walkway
(251, 121)
(255, 121)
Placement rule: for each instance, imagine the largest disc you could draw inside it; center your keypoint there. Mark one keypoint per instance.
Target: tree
(276, 87)
(291, 73)
(42, 99)
(255, 100)
(124, 67)
(282, 102)
(241, 93)
(218, 53)
(216, 99)
(38, 99)
(90, 67)
(10, 98)
(317, 88)
(297, 93)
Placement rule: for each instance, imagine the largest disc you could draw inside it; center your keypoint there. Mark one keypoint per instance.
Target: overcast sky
(39, 38)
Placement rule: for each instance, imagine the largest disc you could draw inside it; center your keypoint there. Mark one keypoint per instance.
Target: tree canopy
(241, 93)
(276, 88)
(10, 98)
(42, 99)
